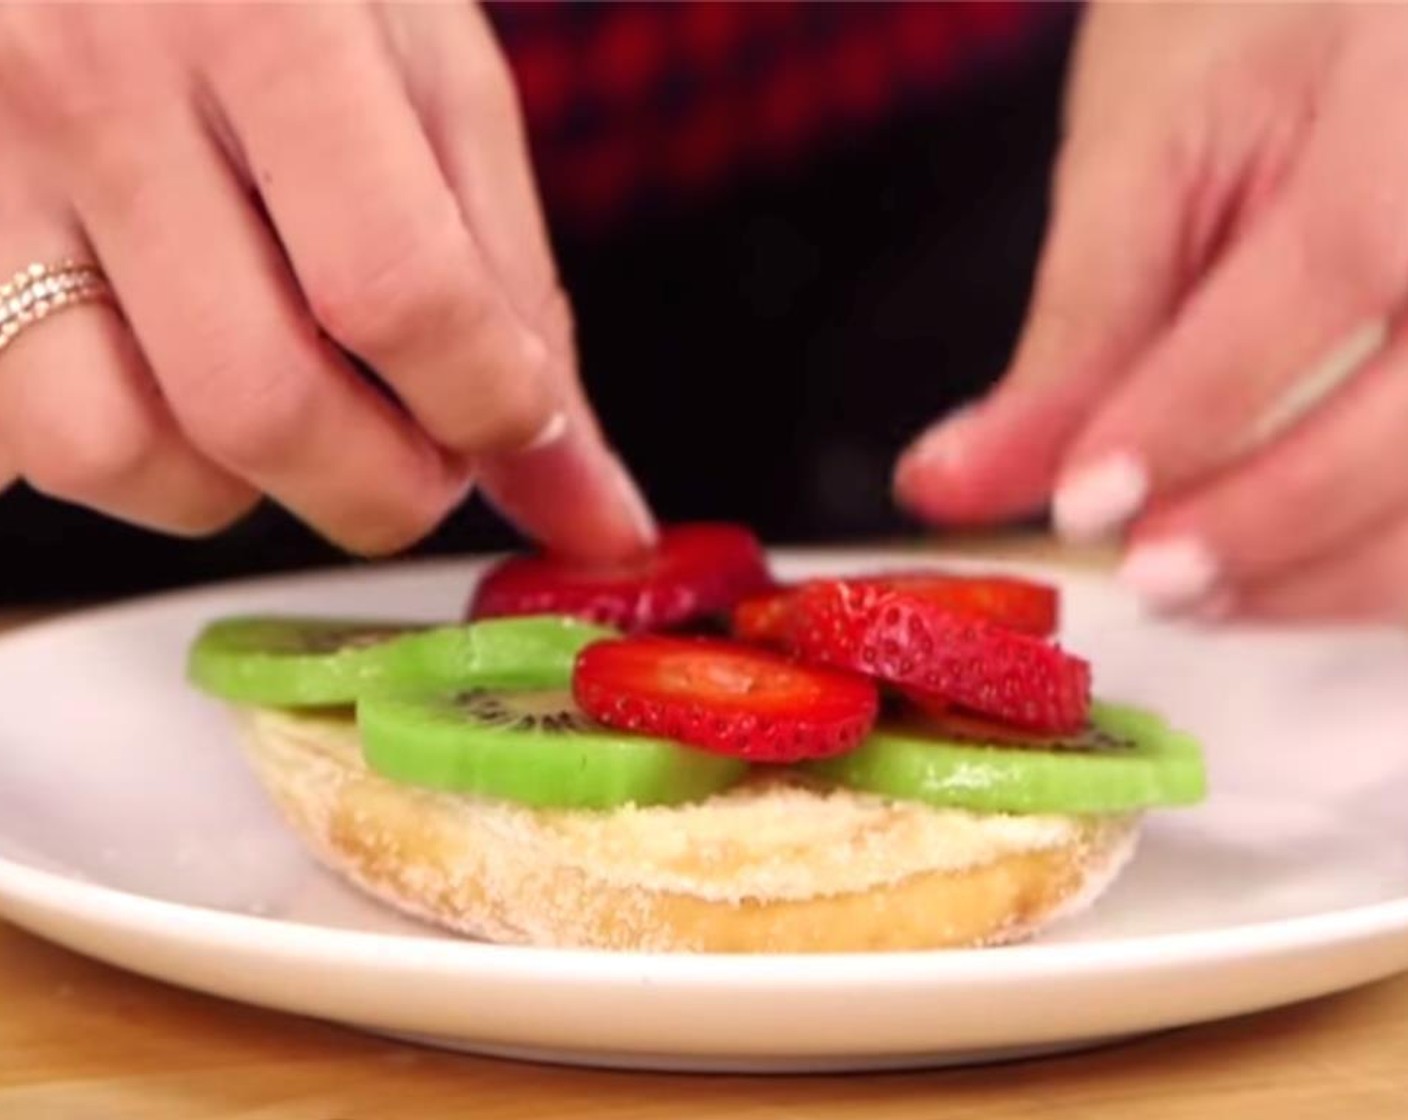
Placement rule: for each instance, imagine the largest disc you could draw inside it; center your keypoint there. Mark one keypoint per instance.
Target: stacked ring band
(40, 290)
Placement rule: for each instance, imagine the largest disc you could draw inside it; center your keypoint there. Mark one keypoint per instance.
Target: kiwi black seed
(520, 712)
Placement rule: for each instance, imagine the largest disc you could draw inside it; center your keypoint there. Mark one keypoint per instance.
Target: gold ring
(38, 291)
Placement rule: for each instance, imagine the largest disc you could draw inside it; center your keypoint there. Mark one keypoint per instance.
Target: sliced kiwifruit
(533, 748)
(526, 652)
(317, 662)
(1126, 760)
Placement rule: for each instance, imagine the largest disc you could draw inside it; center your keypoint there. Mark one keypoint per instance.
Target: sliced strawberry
(763, 619)
(930, 704)
(943, 719)
(724, 697)
(908, 640)
(1033, 608)
(1025, 605)
(955, 726)
(694, 570)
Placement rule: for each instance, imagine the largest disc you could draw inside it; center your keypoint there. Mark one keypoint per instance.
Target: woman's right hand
(270, 189)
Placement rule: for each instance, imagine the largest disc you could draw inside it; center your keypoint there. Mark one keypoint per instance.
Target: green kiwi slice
(1126, 760)
(295, 662)
(534, 748)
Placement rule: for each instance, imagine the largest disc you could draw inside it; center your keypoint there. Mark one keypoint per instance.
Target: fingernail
(642, 520)
(550, 433)
(1172, 574)
(1100, 498)
(942, 444)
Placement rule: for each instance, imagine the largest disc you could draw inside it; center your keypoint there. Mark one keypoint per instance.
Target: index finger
(376, 238)
(571, 492)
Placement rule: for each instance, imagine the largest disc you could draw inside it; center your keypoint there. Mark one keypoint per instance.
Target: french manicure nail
(1099, 498)
(1172, 574)
(549, 433)
(642, 519)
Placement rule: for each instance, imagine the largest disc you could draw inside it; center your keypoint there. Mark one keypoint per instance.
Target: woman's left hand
(1231, 208)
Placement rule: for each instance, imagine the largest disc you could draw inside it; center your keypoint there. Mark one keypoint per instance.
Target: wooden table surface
(79, 1040)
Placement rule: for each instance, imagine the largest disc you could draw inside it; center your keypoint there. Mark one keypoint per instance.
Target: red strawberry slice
(763, 619)
(931, 704)
(950, 724)
(1025, 605)
(724, 697)
(907, 640)
(961, 727)
(694, 570)
(1033, 608)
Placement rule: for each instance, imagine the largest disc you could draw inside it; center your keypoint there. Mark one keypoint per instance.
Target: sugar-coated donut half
(775, 865)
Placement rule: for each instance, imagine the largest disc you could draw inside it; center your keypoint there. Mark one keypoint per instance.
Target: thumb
(1111, 272)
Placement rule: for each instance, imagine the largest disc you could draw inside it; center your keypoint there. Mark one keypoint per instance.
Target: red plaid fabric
(633, 102)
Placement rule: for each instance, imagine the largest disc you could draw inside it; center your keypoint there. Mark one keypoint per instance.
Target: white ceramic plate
(130, 831)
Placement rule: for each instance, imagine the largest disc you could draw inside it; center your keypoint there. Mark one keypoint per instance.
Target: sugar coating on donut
(763, 866)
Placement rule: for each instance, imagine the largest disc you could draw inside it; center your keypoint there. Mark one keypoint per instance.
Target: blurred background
(793, 234)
